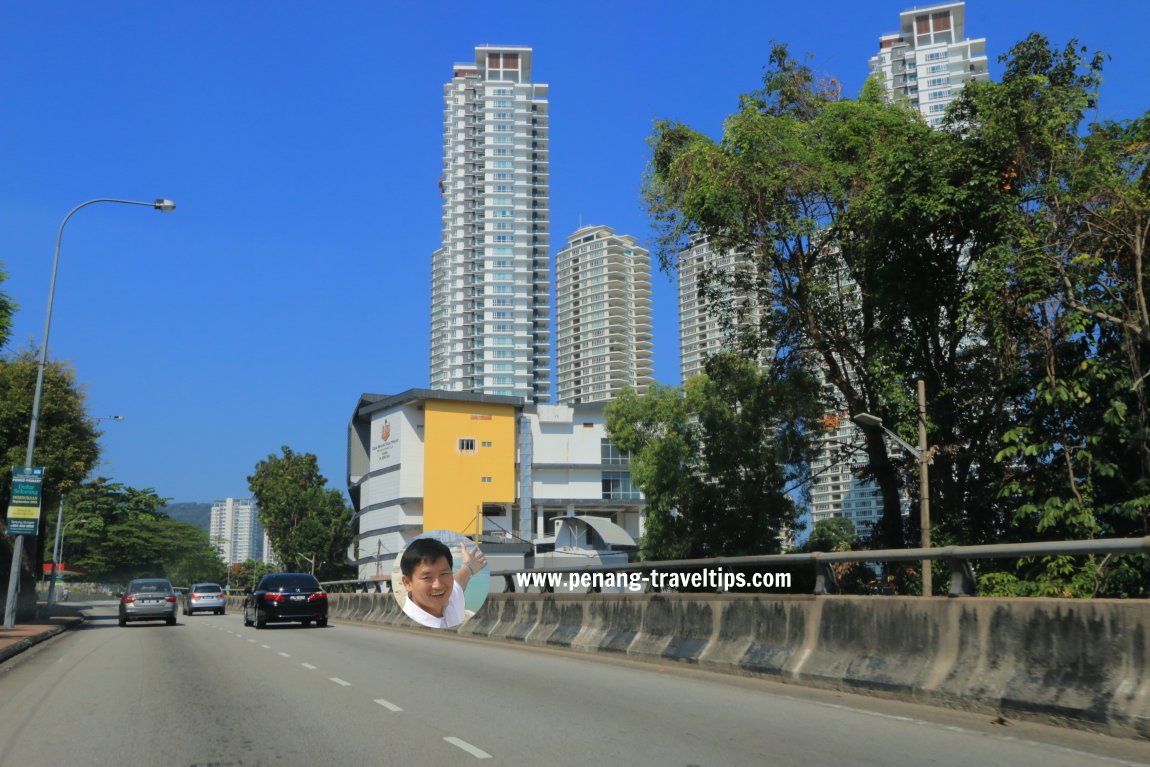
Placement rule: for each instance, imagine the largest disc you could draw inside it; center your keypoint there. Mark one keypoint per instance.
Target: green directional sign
(24, 508)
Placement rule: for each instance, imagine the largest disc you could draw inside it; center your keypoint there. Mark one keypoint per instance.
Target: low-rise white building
(478, 464)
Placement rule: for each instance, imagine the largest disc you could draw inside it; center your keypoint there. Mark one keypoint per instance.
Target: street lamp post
(921, 455)
(164, 206)
(58, 550)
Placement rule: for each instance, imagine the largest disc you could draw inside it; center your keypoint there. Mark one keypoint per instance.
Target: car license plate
(299, 598)
(150, 601)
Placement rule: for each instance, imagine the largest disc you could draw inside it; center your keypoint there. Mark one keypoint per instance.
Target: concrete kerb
(25, 636)
(20, 645)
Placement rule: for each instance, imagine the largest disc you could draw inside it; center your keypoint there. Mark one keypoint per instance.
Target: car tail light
(318, 595)
(196, 596)
(129, 600)
(273, 597)
(170, 599)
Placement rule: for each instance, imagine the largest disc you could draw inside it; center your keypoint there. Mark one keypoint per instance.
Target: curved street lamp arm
(161, 205)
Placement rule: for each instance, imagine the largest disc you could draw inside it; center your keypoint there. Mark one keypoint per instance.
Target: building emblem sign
(385, 452)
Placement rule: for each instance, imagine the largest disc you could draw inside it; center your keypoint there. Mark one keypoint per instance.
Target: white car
(205, 597)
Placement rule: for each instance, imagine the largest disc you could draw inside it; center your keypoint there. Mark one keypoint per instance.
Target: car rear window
(149, 587)
(289, 583)
(207, 588)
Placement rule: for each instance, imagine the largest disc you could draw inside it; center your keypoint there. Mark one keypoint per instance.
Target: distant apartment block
(928, 61)
(490, 281)
(701, 330)
(236, 531)
(603, 311)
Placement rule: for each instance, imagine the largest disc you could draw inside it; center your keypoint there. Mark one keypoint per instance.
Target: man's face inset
(430, 586)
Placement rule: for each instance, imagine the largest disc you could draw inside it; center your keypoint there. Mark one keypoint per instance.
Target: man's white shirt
(453, 614)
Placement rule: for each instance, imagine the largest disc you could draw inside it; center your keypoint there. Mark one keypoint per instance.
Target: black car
(286, 597)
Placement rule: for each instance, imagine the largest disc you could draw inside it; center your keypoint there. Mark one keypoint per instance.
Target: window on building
(467, 445)
(609, 454)
(617, 486)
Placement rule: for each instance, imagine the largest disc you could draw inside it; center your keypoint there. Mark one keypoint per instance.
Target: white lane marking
(387, 705)
(266, 646)
(308, 665)
(476, 752)
(252, 641)
(285, 654)
(340, 682)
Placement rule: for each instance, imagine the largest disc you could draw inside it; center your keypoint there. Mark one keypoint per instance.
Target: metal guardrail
(358, 587)
(963, 581)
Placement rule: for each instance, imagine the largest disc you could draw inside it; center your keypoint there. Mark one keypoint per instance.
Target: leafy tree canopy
(714, 459)
(120, 532)
(301, 515)
(1000, 259)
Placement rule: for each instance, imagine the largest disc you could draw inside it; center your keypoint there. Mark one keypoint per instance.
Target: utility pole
(924, 488)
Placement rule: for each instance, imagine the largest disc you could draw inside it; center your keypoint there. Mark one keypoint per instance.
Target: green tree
(1075, 202)
(189, 556)
(302, 516)
(247, 574)
(7, 310)
(1000, 259)
(832, 534)
(839, 204)
(714, 459)
(66, 445)
(118, 532)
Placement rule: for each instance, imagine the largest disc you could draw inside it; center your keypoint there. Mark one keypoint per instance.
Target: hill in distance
(198, 514)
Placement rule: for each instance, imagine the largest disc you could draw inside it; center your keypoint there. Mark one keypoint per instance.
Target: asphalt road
(211, 692)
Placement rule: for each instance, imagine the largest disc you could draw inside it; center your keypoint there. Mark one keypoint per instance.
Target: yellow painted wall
(453, 486)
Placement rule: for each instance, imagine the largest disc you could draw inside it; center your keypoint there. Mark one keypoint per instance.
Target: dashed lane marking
(340, 682)
(478, 753)
(389, 706)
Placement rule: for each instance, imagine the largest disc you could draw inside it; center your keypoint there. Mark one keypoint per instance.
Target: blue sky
(302, 144)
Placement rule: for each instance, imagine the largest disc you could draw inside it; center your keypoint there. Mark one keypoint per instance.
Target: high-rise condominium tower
(236, 531)
(603, 305)
(930, 58)
(490, 308)
(701, 333)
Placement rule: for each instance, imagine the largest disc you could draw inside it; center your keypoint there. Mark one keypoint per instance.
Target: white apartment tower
(490, 288)
(929, 59)
(701, 333)
(603, 308)
(236, 531)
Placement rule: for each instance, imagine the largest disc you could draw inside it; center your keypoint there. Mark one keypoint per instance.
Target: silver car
(205, 597)
(148, 599)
